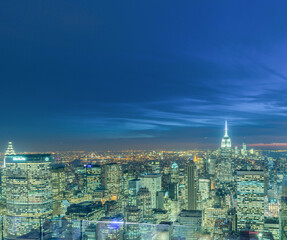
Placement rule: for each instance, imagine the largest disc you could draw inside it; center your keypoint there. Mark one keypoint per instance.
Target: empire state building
(226, 150)
(224, 169)
(226, 142)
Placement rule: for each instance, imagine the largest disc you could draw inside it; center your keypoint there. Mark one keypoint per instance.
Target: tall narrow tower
(191, 184)
(224, 164)
(226, 142)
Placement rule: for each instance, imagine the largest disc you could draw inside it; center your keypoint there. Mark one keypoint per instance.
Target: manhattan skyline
(98, 76)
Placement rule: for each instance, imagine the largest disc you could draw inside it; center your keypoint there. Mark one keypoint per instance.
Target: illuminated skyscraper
(226, 142)
(244, 150)
(283, 218)
(250, 200)
(59, 187)
(153, 183)
(28, 192)
(174, 173)
(132, 212)
(224, 167)
(93, 180)
(113, 181)
(191, 185)
(174, 179)
(144, 203)
(9, 152)
(134, 186)
(204, 189)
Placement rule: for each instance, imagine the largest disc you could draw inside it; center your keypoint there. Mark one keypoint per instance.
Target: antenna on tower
(226, 129)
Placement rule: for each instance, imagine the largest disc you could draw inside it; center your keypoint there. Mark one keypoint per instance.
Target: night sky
(96, 75)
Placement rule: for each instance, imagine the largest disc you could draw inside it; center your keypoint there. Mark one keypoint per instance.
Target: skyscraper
(113, 181)
(59, 187)
(250, 200)
(226, 142)
(224, 167)
(9, 152)
(153, 183)
(191, 185)
(28, 192)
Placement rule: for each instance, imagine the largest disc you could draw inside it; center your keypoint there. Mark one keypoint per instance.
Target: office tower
(213, 213)
(271, 225)
(113, 181)
(191, 184)
(284, 186)
(59, 187)
(236, 152)
(173, 191)
(93, 180)
(283, 219)
(250, 200)
(160, 200)
(189, 227)
(132, 212)
(203, 189)
(244, 151)
(134, 185)
(144, 203)
(155, 167)
(174, 173)
(133, 217)
(29, 196)
(174, 181)
(211, 165)
(224, 171)
(153, 183)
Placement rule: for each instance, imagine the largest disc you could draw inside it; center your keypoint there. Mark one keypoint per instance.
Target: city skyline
(122, 76)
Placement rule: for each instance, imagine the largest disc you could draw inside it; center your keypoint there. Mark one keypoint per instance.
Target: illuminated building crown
(226, 142)
(10, 150)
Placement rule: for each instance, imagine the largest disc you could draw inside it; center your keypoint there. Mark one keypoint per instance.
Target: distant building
(191, 185)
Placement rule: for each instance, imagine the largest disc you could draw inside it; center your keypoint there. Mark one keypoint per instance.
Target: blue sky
(96, 75)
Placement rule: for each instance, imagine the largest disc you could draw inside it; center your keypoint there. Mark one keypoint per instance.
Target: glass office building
(29, 193)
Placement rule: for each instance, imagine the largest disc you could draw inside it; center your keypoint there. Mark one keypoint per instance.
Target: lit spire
(10, 150)
(226, 129)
